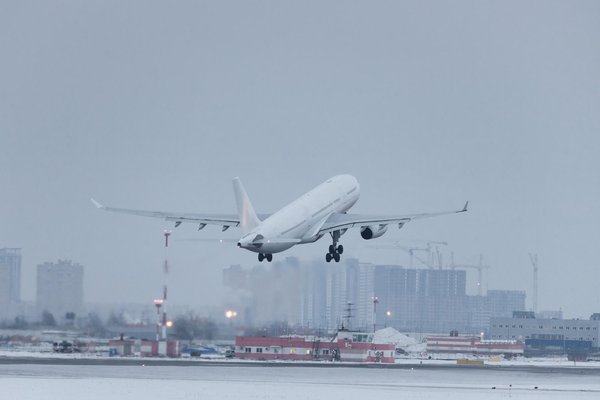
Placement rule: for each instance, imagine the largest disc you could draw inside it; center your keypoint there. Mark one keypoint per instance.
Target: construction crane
(479, 269)
(411, 250)
(534, 263)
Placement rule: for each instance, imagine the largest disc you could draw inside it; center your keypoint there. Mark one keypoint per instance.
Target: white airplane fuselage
(300, 221)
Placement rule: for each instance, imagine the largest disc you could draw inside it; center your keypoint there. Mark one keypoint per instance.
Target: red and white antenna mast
(165, 323)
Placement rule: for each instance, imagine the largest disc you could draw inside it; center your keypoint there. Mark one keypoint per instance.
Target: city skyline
(426, 263)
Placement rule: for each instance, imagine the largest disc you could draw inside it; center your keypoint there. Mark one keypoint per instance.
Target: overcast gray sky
(154, 104)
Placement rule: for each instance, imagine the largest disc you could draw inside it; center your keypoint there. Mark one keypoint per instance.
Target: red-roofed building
(346, 346)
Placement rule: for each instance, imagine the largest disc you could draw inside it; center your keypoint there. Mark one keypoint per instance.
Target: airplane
(319, 212)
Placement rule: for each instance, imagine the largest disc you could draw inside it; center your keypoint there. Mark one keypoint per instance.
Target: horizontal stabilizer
(465, 207)
(96, 204)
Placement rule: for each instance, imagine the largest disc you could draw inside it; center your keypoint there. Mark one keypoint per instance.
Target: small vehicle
(64, 347)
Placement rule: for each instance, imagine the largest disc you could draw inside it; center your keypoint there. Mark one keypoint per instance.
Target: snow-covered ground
(66, 382)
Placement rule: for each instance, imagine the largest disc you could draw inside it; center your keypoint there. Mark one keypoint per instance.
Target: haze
(157, 105)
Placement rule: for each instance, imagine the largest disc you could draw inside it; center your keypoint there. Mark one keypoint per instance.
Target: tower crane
(480, 267)
(534, 263)
(411, 250)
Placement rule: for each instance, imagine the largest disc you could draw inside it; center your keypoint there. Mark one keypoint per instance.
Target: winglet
(96, 204)
(465, 207)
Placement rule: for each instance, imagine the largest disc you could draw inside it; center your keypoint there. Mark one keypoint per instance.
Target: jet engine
(372, 232)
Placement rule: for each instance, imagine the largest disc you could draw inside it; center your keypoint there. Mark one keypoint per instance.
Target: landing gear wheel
(261, 257)
(334, 249)
(269, 257)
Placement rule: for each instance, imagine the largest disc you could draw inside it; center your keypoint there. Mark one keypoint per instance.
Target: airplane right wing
(337, 221)
(224, 220)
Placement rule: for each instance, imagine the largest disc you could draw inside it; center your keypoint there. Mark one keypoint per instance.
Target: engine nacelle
(372, 232)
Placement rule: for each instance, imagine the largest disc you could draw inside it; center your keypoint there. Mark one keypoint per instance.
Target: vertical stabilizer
(248, 218)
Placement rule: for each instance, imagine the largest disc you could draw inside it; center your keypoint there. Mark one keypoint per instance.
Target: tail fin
(248, 218)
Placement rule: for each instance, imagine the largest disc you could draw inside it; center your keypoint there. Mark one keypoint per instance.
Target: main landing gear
(334, 249)
(262, 256)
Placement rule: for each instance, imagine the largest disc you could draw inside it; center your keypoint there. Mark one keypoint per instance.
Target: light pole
(375, 302)
(230, 314)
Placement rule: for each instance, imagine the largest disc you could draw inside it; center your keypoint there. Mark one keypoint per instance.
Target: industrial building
(473, 345)
(556, 345)
(60, 290)
(144, 347)
(523, 326)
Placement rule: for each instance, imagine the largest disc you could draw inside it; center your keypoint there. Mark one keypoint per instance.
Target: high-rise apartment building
(60, 288)
(10, 281)
(502, 303)
(331, 291)
(421, 299)
(316, 295)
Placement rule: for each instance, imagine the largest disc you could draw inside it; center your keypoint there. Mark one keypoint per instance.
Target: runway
(591, 369)
(66, 379)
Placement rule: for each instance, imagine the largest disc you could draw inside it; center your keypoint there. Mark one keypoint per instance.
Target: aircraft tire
(328, 257)
(261, 257)
(269, 257)
(331, 249)
(340, 249)
(336, 257)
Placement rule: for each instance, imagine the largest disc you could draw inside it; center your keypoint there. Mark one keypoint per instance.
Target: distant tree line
(190, 327)
(186, 327)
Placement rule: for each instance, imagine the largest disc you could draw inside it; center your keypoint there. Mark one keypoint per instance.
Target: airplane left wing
(338, 221)
(225, 220)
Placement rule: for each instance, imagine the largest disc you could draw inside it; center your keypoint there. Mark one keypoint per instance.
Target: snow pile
(391, 336)
(417, 348)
